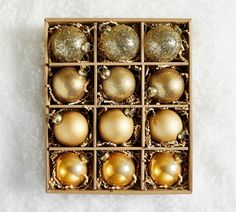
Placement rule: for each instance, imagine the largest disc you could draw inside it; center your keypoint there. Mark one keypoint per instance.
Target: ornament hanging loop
(104, 72)
(87, 47)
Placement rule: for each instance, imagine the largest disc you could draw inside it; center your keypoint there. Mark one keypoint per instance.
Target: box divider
(94, 106)
(46, 26)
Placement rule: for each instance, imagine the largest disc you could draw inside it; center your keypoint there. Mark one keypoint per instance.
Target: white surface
(21, 122)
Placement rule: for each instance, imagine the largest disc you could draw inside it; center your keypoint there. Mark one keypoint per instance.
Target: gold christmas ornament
(162, 43)
(72, 130)
(165, 125)
(167, 85)
(119, 84)
(68, 44)
(119, 43)
(118, 169)
(68, 85)
(115, 127)
(71, 169)
(165, 169)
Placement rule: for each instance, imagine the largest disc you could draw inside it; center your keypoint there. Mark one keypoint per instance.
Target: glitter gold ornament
(165, 125)
(68, 44)
(119, 84)
(71, 129)
(71, 169)
(165, 169)
(68, 85)
(168, 85)
(118, 169)
(115, 127)
(119, 43)
(162, 43)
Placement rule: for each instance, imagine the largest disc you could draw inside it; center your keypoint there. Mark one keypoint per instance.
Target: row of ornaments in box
(119, 85)
(168, 127)
(118, 42)
(119, 170)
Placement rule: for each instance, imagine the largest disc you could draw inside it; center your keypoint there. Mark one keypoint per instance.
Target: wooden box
(142, 149)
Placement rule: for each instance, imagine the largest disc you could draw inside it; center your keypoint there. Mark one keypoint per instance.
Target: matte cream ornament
(165, 125)
(68, 85)
(119, 84)
(71, 169)
(119, 43)
(71, 129)
(118, 169)
(162, 43)
(165, 169)
(68, 44)
(115, 127)
(166, 85)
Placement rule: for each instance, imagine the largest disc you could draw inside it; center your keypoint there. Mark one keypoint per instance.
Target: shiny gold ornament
(68, 44)
(168, 83)
(118, 169)
(71, 169)
(119, 43)
(165, 169)
(115, 127)
(165, 125)
(68, 85)
(120, 84)
(72, 130)
(162, 43)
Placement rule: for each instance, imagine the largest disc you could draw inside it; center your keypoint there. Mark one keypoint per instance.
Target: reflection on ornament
(71, 169)
(118, 169)
(120, 43)
(165, 169)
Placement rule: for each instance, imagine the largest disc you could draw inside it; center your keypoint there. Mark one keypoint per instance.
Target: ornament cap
(152, 92)
(83, 159)
(177, 158)
(57, 118)
(87, 47)
(82, 71)
(105, 73)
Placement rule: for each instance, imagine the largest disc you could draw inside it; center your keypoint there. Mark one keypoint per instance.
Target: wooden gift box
(50, 105)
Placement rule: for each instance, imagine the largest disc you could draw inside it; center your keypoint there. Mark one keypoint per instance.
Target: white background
(22, 165)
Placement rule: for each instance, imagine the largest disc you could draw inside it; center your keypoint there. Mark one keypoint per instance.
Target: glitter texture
(162, 43)
(120, 43)
(68, 44)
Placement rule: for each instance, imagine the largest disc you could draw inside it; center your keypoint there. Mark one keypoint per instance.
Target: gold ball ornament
(68, 85)
(71, 129)
(165, 169)
(165, 125)
(71, 169)
(120, 84)
(68, 44)
(119, 43)
(118, 169)
(168, 85)
(162, 43)
(115, 127)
